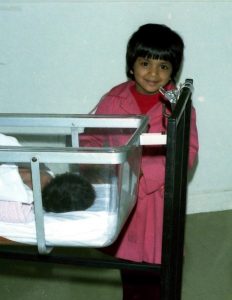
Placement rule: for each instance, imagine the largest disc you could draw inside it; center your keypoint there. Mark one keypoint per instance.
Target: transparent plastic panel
(107, 157)
(105, 137)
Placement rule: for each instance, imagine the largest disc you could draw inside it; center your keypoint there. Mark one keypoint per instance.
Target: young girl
(153, 60)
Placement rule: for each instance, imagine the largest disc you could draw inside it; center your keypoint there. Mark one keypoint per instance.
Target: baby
(62, 193)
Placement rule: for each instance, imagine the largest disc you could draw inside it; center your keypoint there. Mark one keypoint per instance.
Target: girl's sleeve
(153, 168)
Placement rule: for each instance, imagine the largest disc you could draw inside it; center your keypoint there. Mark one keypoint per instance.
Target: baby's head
(68, 192)
(157, 42)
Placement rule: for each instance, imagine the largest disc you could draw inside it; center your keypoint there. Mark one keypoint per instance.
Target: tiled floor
(207, 269)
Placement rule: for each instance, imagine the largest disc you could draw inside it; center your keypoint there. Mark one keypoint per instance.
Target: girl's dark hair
(68, 192)
(157, 42)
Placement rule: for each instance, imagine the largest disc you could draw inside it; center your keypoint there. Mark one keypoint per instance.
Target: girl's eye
(164, 67)
(144, 63)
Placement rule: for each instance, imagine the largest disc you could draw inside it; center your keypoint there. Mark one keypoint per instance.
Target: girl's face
(151, 74)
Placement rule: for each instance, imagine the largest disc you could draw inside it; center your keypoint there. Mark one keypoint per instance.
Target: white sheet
(85, 228)
(95, 227)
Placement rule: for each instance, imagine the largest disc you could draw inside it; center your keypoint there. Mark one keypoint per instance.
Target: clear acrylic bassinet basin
(104, 149)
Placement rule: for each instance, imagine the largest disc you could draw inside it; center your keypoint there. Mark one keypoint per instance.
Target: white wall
(61, 56)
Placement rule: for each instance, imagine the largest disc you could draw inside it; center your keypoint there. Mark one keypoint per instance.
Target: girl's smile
(150, 74)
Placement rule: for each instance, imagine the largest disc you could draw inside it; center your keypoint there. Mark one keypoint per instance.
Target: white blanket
(95, 227)
(12, 187)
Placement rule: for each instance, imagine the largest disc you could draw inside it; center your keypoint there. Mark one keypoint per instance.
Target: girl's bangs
(152, 53)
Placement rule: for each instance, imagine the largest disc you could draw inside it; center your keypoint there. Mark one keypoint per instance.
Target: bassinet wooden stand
(170, 270)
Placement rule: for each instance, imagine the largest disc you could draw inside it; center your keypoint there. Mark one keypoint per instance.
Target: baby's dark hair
(68, 192)
(157, 42)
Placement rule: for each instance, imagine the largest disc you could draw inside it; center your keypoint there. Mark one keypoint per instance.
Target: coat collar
(128, 102)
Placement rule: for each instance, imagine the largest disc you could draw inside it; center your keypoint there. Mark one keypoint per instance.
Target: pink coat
(141, 237)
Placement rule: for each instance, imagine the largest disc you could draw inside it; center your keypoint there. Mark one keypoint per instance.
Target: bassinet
(170, 270)
(110, 161)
